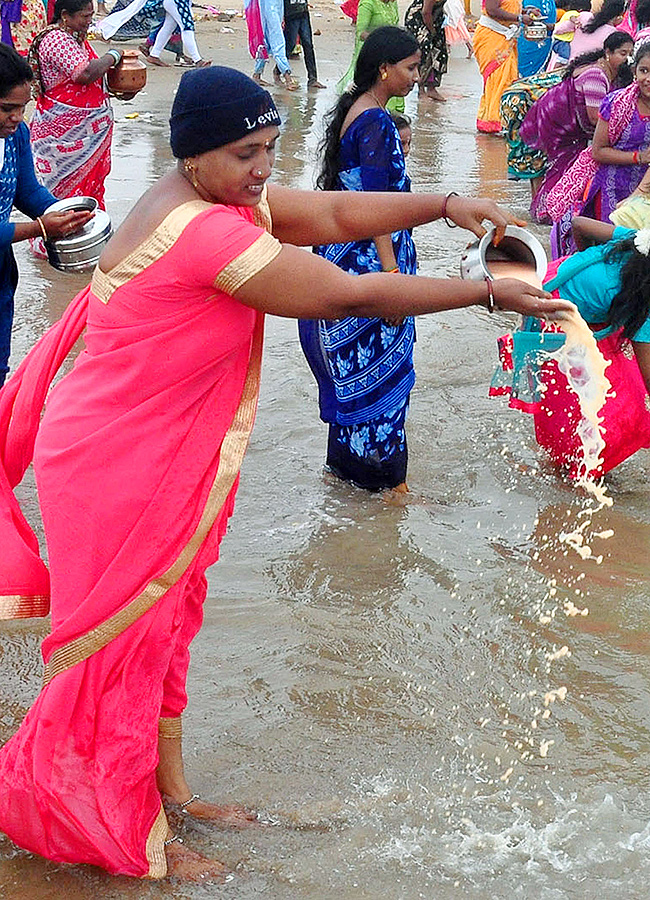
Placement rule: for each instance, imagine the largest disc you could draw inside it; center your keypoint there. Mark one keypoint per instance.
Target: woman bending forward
(137, 461)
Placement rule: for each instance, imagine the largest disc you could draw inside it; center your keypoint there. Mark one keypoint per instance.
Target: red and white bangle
(491, 305)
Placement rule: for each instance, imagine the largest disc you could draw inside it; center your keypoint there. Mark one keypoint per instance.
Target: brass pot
(129, 76)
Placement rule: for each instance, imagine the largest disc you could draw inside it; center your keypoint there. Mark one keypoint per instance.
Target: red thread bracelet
(443, 214)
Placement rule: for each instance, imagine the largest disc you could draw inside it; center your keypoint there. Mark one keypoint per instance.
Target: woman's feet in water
(228, 816)
(187, 865)
(432, 93)
(176, 793)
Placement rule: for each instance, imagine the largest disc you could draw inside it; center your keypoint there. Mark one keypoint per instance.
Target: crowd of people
(173, 321)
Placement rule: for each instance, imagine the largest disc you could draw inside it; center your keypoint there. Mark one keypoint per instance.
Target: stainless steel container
(80, 252)
(518, 245)
(536, 31)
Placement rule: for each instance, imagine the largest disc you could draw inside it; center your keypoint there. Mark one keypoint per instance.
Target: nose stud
(259, 173)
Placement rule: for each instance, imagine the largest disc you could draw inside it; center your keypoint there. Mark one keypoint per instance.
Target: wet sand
(385, 684)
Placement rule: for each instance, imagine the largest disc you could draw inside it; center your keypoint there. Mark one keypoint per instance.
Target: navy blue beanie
(215, 106)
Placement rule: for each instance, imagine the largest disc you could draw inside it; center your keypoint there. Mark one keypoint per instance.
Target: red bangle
(635, 157)
(443, 214)
(391, 271)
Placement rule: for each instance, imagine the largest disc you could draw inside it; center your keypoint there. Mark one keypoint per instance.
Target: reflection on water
(390, 686)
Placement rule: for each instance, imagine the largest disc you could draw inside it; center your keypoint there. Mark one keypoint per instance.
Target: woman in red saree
(72, 125)
(137, 462)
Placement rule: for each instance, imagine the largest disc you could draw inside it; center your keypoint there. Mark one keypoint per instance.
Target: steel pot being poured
(519, 255)
(80, 252)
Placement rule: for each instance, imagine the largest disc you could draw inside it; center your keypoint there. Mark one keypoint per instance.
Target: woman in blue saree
(364, 366)
(20, 189)
(532, 56)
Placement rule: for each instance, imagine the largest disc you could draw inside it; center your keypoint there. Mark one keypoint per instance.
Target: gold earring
(190, 168)
(384, 76)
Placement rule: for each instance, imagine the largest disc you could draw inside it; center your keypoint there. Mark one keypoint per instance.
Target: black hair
(608, 11)
(631, 306)
(401, 120)
(14, 70)
(581, 5)
(612, 42)
(387, 44)
(642, 13)
(69, 6)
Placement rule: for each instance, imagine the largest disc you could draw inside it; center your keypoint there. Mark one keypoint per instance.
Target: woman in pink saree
(137, 463)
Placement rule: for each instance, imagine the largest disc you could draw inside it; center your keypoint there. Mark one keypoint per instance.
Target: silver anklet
(172, 840)
(191, 800)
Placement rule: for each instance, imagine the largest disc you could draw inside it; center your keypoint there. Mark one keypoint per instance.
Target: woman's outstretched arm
(298, 284)
(306, 218)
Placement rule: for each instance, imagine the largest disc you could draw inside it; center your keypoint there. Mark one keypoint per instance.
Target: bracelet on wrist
(42, 227)
(391, 271)
(443, 214)
(491, 305)
(117, 57)
(635, 157)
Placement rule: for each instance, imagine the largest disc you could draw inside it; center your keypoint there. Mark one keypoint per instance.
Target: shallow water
(376, 679)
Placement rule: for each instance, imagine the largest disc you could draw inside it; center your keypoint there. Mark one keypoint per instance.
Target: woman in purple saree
(563, 120)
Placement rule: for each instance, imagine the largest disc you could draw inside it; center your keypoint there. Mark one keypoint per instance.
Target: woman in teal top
(609, 282)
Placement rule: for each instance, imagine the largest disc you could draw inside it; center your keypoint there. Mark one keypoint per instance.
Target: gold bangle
(42, 227)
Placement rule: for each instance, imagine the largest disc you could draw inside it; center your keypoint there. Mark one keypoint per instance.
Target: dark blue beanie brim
(215, 106)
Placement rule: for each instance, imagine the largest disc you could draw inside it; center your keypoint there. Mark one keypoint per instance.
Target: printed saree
(531, 379)
(495, 49)
(137, 461)
(72, 125)
(568, 192)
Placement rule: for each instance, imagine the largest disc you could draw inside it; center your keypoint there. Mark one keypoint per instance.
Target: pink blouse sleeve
(225, 248)
(593, 85)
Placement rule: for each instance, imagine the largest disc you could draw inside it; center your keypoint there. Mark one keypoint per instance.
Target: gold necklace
(381, 105)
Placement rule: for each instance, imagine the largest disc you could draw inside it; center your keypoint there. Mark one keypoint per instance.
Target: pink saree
(137, 461)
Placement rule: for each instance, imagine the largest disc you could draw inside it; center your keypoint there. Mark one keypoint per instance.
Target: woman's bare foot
(187, 865)
(230, 816)
(257, 78)
(434, 94)
(157, 61)
(173, 786)
(397, 496)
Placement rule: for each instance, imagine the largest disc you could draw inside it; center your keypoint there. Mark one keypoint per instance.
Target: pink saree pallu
(137, 461)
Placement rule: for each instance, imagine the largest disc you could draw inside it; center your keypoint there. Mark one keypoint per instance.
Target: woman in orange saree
(137, 463)
(495, 49)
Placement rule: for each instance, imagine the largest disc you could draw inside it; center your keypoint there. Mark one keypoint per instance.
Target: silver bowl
(518, 245)
(80, 252)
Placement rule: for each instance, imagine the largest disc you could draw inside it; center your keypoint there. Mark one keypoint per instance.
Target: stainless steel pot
(80, 252)
(536, 31)
(518, 245)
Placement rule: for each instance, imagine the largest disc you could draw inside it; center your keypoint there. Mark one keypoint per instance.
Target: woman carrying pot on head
(20, 189)
(137, 461)
(72, 125)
